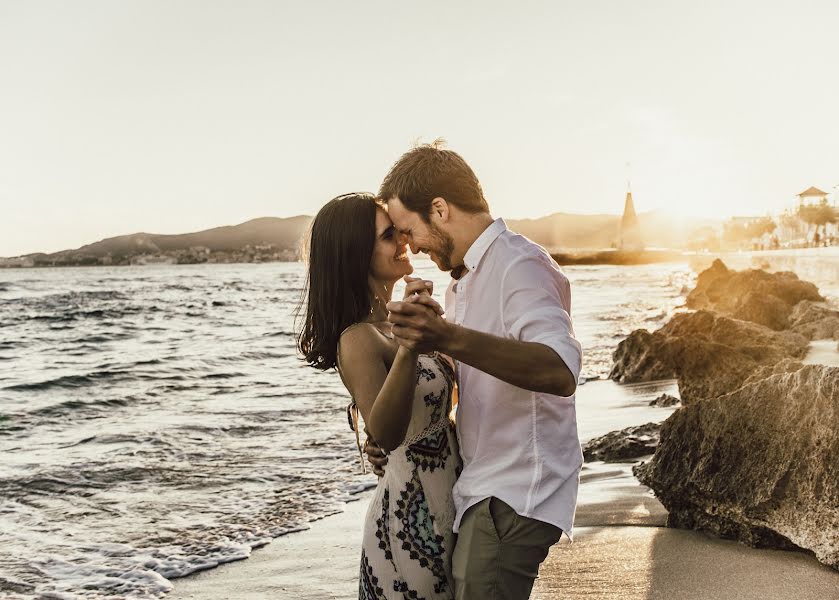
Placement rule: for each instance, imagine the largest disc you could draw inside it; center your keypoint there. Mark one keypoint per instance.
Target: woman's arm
(385, 398)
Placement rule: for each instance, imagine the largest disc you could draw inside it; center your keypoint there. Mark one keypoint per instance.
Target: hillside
(271, 238)
(564, 231)
(282, 233)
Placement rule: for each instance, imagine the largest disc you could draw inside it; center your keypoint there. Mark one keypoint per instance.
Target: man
(509, 329)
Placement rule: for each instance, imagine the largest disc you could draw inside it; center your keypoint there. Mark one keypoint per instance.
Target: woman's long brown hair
(336, 294)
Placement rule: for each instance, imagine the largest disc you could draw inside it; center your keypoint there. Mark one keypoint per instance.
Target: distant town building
(630, 233)
(17, 261)
(158, 259)
(812, 195)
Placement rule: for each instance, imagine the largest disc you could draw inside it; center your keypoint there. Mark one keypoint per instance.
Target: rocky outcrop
(766, 310)
(624, 445)
(751, 295)
(709, 354)
(760, 464)
(788, 365)
(665, 401)
(815, 320)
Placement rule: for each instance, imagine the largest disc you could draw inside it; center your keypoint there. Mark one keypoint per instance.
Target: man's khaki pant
(498, 552)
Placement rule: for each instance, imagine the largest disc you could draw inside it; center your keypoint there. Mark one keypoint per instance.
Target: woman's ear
(440, 208)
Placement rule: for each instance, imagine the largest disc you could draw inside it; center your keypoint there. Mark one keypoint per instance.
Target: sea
(156, 420)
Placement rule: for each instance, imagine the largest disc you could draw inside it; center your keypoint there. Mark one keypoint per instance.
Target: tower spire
(630, 233)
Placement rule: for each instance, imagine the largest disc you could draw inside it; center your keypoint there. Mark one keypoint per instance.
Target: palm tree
(818, 215)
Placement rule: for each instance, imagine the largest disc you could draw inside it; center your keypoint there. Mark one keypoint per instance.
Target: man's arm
(539, 351)
(528, 365)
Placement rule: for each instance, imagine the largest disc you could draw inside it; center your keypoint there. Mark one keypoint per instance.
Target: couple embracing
(466, 511)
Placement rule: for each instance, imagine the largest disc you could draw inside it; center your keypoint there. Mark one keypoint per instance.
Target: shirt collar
(479, 247)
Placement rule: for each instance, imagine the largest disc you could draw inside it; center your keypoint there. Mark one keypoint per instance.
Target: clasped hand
(417, 322)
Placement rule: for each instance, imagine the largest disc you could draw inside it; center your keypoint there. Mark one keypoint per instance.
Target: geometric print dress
(408, 540)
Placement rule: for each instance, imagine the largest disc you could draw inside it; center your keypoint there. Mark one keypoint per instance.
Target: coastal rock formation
(751, 295)
(624, 445)
(788, 365)
(766, 310)
(815, 321)
(709, 354)
(665, 400)
(760, 464)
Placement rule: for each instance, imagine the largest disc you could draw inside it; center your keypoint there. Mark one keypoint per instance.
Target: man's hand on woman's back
(375, 456)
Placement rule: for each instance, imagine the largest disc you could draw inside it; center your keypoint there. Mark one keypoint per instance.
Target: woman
(355, 258)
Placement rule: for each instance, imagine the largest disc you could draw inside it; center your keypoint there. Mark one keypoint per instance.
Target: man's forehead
(402, 217)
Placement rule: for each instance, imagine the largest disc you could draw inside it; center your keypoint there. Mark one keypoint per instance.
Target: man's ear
(440, 209)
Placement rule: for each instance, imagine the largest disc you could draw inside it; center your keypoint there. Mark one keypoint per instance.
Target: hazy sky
(166, 117)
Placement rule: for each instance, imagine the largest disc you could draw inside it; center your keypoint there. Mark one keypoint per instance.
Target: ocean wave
(280, 333)
(67, 406)
(222, 375)
(65, 381)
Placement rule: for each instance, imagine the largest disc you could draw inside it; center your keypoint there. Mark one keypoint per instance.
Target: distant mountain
(283, 233)
(272, 238)
(564, 231)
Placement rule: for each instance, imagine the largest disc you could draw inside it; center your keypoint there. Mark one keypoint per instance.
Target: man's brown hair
(429, 171)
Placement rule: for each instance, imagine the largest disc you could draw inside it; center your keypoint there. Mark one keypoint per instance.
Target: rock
(665, 400)
(788, 365)
(642, 356)
(751, 295)
(624, 445)
(766, 310)
(760, 464)
(709, 354)
(815, 320)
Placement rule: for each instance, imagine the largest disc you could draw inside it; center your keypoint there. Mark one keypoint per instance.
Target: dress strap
(352, 416)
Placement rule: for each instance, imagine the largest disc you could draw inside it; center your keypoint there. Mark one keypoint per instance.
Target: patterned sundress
(408, 540)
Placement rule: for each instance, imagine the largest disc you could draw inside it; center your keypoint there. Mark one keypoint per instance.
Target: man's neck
(472, 228)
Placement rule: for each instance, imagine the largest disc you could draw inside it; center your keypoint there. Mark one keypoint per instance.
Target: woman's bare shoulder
(360, 338)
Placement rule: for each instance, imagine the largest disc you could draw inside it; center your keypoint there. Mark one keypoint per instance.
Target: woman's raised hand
(418, 291)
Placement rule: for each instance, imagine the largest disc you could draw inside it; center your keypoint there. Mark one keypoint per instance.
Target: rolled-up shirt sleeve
(536, 307)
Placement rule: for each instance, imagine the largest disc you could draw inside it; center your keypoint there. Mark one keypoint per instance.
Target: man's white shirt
(519, 446)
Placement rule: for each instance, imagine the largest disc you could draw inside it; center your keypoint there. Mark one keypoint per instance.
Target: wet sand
(621, 550)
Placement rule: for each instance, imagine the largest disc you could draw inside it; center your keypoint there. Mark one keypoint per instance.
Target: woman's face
(390, 253)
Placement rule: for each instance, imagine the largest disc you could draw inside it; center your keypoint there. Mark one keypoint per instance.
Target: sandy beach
(621, 550)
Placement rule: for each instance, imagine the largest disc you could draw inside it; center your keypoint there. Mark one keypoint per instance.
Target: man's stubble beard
(444, 247)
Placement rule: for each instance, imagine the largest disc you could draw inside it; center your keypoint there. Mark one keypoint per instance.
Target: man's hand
(418, 290)
(417, 325)
(375, 456)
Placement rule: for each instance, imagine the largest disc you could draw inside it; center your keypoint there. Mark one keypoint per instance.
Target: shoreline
(571, 257)
(622, 548)
(622, 551)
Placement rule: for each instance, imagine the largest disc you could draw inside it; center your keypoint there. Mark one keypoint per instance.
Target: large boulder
(751, 295)
(709, 354)
(760, 464)
(665, 400)
(624, 445)
(815, 320)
